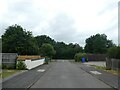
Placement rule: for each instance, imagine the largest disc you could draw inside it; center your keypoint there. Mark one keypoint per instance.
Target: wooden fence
(28, 57)
(113, 64)
(96, 57)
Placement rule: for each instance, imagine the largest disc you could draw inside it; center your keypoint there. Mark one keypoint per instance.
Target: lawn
(7, 73)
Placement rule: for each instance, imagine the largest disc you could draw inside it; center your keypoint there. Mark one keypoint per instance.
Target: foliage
(98, 44)
(44, 39)
(18, 40)
(64, 51)
(78, 57)
(21, 65)
(116, 72)
(114, 52)
(24, 43)
(47, 50)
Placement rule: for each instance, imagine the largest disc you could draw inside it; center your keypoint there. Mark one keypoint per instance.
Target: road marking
(88, 65)
(95, 72)
(41, 70)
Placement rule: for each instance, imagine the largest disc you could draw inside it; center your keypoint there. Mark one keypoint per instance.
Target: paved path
(64, 74)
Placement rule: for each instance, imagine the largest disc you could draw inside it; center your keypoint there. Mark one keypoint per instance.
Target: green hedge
(114, 52)
(78, 57)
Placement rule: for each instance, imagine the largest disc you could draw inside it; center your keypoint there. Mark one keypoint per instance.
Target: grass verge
(8, 73)
(116, 72)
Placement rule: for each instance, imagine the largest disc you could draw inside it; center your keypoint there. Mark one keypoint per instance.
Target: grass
(7, 73)
(116, 72)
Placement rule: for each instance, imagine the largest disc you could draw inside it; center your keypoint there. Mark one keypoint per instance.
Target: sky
(70, 21)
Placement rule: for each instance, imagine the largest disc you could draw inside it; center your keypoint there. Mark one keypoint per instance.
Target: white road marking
(95, 72)
(41, 70)
(88, 65)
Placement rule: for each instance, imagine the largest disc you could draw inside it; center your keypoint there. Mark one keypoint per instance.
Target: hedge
(114, 52)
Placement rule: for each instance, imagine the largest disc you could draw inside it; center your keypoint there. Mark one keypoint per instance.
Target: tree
(98, 44)
(60, 48)
(44, 39)
(77, 48)
(66, 51)
(47, 50)
(114, 52)
(18, 40)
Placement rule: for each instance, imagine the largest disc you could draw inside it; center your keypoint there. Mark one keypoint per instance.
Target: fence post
(108, 63)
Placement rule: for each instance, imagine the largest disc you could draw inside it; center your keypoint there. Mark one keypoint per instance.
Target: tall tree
(98, 44)
(44, 39)
(18, 40)
(77, 48)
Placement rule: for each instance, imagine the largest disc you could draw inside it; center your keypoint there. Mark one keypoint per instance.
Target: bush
(78, 57)
(114, 52)
(21, 65)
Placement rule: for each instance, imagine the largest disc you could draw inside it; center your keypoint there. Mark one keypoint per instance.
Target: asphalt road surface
(64, 74)
(60, 74)
(26, 79)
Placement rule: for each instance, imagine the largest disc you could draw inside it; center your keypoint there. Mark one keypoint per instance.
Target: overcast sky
(64, 20)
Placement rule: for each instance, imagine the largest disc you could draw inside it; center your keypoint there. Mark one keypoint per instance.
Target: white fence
(34, 63)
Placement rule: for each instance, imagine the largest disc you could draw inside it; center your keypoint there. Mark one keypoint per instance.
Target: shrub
(78, 57)
(21, 65)
(114, 52)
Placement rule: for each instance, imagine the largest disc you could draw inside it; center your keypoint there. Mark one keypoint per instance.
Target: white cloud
(64, 20)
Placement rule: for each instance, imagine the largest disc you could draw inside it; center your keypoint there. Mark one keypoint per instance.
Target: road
(65, 74)
(26, 79)
(60, 74)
